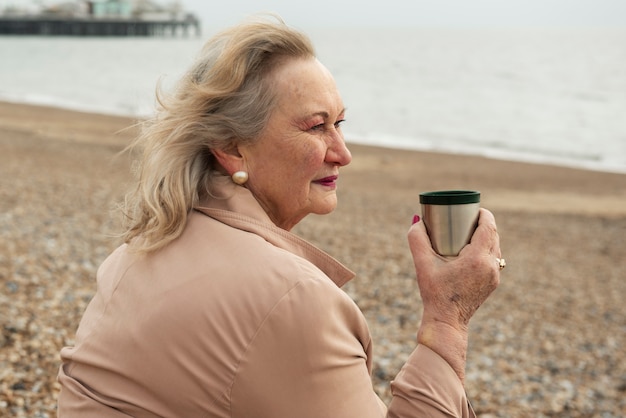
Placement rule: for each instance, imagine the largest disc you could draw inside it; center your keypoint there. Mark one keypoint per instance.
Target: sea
(554, 96)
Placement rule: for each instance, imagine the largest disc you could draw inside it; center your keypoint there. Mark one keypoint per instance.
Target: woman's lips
(330, 181)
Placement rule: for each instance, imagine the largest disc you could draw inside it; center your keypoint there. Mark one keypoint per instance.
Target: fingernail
(416, 219)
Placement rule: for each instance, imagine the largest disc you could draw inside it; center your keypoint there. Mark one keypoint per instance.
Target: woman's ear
(230, 159)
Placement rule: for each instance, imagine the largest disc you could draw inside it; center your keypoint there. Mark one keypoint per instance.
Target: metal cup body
(450, 218)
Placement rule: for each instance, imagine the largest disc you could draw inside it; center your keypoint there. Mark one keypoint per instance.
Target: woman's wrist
(448, 341)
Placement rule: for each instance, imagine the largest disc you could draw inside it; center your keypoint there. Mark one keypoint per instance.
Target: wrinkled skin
(452, 289)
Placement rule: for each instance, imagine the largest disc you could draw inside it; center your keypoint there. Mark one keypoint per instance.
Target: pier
(99, 18)
(53, 26)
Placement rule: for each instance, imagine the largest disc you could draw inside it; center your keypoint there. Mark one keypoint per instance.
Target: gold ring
(501, 263)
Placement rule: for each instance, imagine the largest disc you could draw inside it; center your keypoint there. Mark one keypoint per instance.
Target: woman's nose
(338, 153)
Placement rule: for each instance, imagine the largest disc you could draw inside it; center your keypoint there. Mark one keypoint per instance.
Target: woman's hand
(452, 289)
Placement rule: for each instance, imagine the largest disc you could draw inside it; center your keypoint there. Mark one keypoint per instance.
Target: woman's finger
(419, 243)
(486, 234)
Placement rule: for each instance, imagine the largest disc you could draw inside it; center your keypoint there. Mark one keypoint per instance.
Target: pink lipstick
(330, 181)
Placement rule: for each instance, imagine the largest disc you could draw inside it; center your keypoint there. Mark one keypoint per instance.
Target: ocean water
(553, 96)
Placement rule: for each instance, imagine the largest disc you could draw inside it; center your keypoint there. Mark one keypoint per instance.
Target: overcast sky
(415, 13)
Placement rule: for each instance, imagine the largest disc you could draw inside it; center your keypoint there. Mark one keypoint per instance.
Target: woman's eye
(322, 126)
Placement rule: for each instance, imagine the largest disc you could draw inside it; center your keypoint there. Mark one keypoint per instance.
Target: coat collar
(236, 206)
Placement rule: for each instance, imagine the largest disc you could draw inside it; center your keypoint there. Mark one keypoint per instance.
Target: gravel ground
(551, 341)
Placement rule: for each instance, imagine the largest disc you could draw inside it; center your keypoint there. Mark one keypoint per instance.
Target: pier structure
(97, 27)
(101, 18)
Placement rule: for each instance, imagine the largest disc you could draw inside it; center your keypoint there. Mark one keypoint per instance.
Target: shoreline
(501, 155)
(543, 188)
(537, 345)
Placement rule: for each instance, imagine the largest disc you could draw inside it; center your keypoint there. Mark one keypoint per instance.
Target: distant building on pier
(100, 18)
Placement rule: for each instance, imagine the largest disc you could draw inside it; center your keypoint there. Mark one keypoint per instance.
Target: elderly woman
(212, 308)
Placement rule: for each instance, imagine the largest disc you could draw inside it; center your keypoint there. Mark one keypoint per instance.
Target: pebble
(551, 341)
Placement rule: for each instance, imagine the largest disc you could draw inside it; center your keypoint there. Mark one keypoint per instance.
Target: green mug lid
(450, 197)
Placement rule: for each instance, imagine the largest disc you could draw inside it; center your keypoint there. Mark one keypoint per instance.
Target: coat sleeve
(428, 387)
(311, 358)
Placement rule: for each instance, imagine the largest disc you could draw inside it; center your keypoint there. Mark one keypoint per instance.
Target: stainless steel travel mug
(450, 216)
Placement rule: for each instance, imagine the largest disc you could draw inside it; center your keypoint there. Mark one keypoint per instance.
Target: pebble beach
(550, 341)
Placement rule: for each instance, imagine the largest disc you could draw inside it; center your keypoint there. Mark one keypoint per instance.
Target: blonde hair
(224, 99)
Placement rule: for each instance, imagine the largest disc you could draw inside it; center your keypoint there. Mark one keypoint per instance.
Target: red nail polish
(416, 219)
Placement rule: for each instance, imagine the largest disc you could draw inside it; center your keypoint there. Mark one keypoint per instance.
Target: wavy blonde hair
(223, 100)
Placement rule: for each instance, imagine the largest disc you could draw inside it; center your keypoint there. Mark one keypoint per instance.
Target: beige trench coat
(236, 318)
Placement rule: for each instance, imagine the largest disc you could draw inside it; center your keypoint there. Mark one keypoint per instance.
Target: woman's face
(293, 167)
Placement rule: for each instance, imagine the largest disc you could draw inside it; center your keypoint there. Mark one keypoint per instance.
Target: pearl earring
(239, 177)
